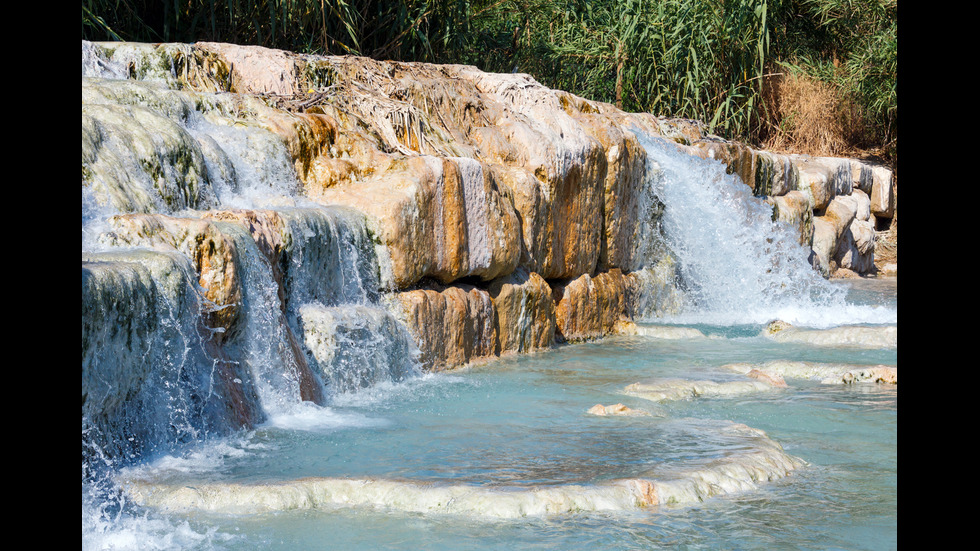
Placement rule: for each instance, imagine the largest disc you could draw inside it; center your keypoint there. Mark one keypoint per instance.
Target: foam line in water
(682, 389)
(858, 336)
(826, 373)
(761, 461)
(663, 331)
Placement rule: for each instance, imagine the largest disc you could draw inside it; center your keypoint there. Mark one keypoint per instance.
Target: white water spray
(738, 265)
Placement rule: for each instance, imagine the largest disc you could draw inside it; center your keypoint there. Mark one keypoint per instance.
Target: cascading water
(737, 265)
(143, 343)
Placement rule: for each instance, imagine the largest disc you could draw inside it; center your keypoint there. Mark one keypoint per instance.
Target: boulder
(855, 250)
(588, 308)
(525, 312)
(452, 326)
(829, 230)
(883, 193)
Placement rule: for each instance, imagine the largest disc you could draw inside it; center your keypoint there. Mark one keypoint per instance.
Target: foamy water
(738, 266)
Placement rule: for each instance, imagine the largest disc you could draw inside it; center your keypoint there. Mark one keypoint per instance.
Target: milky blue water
(522, 422)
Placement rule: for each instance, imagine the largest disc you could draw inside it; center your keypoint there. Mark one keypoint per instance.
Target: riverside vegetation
(739, 66)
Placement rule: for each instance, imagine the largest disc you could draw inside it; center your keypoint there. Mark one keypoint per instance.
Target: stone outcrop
(590, 307)
(525, 312)
(453, 325)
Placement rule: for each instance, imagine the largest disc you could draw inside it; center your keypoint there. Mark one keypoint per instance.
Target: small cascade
(736, 264)
(152, 377)
(200, 172)
(265, 343)
(358, 346)
(330, 258)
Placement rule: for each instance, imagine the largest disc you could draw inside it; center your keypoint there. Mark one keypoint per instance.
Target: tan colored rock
(452, 326)
(776, 326)
(829, 230)
(863, 205)
(683, 131)
(440, 217)
(615, 409)
(878, 374)
(883, 193)
(266, 227)
(821, 179)
(525, 312)
(213, 255)
(521, 132)
(862, 175)
(588, 307)
(775, 174)
(560, 204)
(257, 70)
(739, 159)
(855, 250)
(796, 209)
(771, 378)
(625, 174)
(645, 492)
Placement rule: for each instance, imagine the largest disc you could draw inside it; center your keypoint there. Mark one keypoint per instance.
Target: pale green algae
(140, 152)
(161, 169)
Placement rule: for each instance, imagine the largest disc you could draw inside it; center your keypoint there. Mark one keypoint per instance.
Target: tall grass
(715, 61)
(396, 29)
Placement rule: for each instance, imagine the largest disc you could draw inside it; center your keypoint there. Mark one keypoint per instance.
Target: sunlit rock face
(446, 218)
(882, 193)
(525, 312)
(452, 326)
(588, 307)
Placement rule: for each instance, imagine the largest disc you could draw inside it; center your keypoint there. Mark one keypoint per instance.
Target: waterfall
(152, 379)
(310, 319)
(736, 264)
